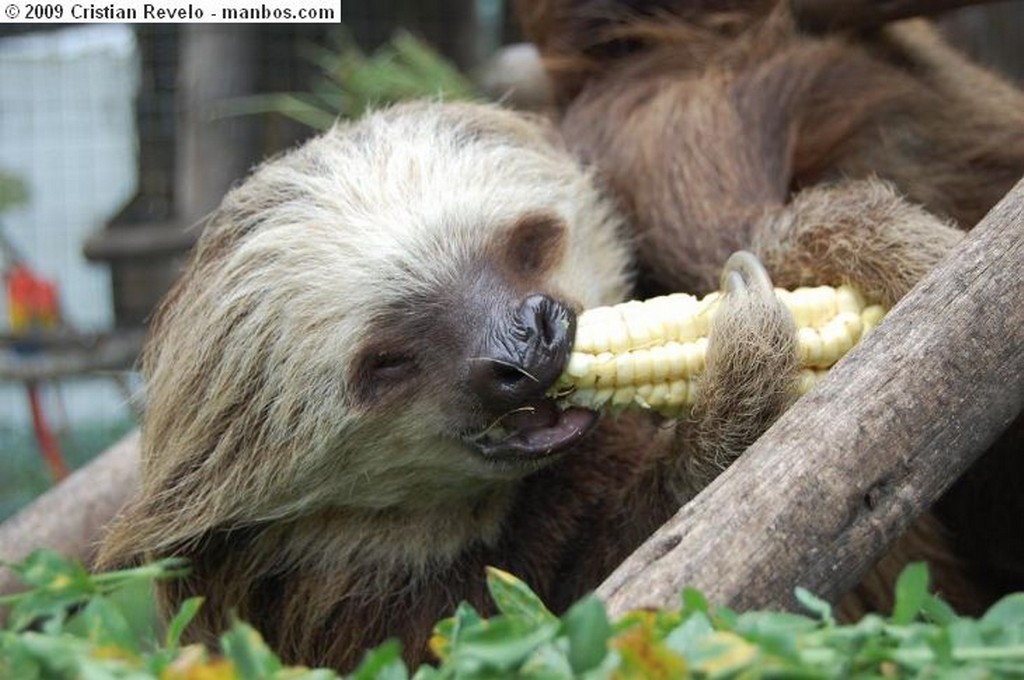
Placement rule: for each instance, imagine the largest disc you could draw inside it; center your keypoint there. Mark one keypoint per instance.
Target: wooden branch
(149, 241)
(819, 497)
(107, 353)
(69, 517)
(834, 15)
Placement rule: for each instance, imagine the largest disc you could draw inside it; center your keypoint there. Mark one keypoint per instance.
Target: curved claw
(743, 270)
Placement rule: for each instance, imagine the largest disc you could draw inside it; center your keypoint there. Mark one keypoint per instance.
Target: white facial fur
(250, 413)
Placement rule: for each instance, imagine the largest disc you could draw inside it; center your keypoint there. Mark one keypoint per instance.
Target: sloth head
(373, 319)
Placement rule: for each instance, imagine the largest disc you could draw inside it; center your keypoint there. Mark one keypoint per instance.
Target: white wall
(67, 128)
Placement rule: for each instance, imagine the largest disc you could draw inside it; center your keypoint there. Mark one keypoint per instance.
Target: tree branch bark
(818, 498)
(835, 15)
(69, 517)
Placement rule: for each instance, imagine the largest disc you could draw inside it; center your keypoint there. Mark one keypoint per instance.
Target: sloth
(347, 413)
(719, 125)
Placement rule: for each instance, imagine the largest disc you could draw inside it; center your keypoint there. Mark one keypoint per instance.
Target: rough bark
(819, 497)
(834, 15)
(68, 518)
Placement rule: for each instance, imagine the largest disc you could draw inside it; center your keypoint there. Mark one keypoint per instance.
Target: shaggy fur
(324, 504)
(717, 125)
(313, 435)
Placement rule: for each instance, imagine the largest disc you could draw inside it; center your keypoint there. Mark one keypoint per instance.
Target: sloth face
(505, 242)
(485, 348)
(388, 304)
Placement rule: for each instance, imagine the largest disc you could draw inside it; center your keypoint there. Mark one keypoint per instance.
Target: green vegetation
(350, 82)
(13, 192)
(71, 624)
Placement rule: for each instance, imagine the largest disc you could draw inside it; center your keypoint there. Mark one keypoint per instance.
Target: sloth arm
(717, 151)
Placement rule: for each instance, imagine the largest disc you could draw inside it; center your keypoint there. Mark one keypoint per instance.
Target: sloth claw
(743, 270)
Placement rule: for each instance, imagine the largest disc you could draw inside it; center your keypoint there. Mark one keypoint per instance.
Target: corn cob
(650, 354)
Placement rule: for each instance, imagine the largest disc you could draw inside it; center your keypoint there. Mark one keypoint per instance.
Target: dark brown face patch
(428, 343)
(420, 345)
(388, 366)
(535, 245)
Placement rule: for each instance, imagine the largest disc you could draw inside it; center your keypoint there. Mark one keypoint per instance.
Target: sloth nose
(524, 355)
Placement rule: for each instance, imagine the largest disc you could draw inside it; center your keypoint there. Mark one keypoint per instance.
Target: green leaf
(186, 612)
(775, 632)
(302, 108)
(911, 593)
(50, 570)
(13, 192)
(514, 598)
(57, 656)
(170, 567)
(685, 638)
(548, 662)
(694, 601)
(941, 643)
(937, 610)
(383, 663)
(1004, 621)
(250, 654)
(1008, 611)
(465, 619)
(499, 645)
(58, 583)
(352, 82)
(815, 605)
(15, 661)
(105, 626)
(426, 672)
(588, 629)
(723, 654)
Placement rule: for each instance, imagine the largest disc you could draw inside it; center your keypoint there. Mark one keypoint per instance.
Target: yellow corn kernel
(651, 354)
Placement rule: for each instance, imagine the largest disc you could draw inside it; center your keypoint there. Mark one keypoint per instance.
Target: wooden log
(69, 517)
(116, 352)
(140, 242)
(835, 15)
(818, 498)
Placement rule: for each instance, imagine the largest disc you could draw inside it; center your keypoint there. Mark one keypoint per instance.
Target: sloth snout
(524, 356)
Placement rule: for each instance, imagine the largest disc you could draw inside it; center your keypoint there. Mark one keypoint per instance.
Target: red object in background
(48, 446)
(32, 301)
(33, 306)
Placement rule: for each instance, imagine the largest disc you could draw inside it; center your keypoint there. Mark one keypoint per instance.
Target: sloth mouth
(534, 432)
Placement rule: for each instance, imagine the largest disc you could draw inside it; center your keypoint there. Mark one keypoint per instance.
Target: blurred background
(116, 139)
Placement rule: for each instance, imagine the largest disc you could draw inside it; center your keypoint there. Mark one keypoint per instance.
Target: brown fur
(312, 436)
(305, 444)
(719, 126)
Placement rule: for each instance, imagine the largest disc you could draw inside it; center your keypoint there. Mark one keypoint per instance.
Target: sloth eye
(380, 371)
(391, 366)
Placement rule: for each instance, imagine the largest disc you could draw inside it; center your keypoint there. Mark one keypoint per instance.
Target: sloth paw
(752, 331)
(752, 365)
